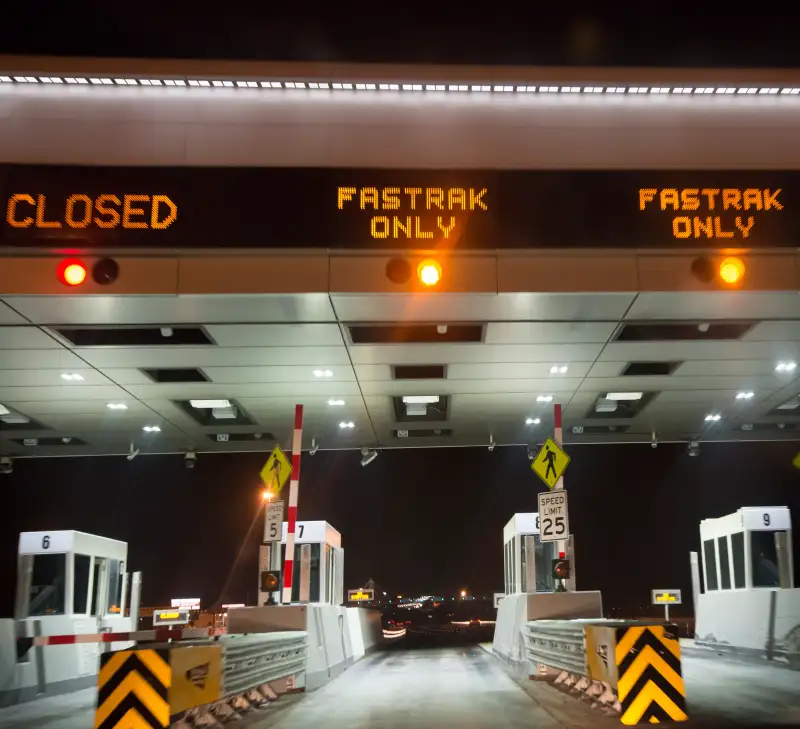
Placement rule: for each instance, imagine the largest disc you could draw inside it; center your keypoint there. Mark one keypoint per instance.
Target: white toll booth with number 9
(553, 516)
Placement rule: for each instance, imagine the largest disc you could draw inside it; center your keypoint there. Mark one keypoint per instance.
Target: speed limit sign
(553, 516)
(273, 524)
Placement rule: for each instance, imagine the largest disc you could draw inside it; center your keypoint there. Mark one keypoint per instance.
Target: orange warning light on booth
(429, 272)
(72, 272)
(731, 271)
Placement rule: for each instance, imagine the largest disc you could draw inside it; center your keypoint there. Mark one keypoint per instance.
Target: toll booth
(748, 601)
(527, 560)
(318, 563)
(68, 583)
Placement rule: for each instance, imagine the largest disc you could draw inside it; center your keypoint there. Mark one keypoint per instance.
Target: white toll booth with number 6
(553, 516)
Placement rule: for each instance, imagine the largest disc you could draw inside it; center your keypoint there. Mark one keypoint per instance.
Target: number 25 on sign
(553, 516)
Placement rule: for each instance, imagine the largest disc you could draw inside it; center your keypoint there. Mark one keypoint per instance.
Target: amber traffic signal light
(728, 272)
(270, 581)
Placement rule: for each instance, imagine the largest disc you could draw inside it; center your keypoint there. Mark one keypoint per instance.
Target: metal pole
(136, 592)
(291, 517)
(558, 437)
(666, 612)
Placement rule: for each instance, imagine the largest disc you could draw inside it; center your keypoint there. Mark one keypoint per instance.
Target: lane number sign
(273, 524)
(553, 516)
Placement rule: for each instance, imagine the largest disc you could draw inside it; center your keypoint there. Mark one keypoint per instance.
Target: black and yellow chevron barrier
(649, 680)
(132, 690)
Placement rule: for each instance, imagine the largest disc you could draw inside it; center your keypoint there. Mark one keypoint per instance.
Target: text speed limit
(553, 516)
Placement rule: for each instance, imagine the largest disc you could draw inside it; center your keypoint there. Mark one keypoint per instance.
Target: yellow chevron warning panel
(196, 676)
(649, 680)
(132, 690)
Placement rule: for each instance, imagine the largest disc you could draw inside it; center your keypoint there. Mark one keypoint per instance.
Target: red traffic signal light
(71, 272)
(561, 569)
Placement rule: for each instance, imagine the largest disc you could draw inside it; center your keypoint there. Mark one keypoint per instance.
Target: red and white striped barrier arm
(162, 634)
(291, 514)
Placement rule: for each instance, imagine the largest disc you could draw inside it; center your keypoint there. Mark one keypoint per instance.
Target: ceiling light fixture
(532, 421)
(209, 404)
(785, 366)
(72, 377)
(323, 373)
(544, 398)
(335, 403)
(116, 406)
(713, 417)
(421, 399)
(559, 370)
(151, 429)
(624, 396)
(744, 395)
(347, 425)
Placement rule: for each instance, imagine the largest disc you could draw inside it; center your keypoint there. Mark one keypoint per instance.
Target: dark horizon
(416, 521)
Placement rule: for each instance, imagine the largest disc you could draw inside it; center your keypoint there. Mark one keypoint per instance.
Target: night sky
(416, 521)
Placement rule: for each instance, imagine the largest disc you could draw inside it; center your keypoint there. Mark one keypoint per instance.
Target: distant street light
(463, 593)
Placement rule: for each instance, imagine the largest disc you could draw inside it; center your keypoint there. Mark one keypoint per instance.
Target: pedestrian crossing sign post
(550, 463)
(276, 470)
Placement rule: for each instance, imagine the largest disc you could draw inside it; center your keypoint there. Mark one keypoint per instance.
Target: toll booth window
(47, 594)
(545, 554)
(737, 549)
(710, 559)
(764, 556)
(114, 587)
(313, 592)
(724, 564)
(80, 594)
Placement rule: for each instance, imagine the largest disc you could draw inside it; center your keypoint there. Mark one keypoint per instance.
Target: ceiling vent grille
(135, 336)
(415, 333)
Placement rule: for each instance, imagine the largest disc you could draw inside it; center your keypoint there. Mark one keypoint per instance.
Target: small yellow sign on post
(550, 463)
(276, 470)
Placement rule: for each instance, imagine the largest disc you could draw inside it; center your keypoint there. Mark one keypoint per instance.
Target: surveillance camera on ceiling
(314, 447)
(654, 441)
(6, 466)
(132, 452)
(368, 455)
(190, 459)
(491, 442)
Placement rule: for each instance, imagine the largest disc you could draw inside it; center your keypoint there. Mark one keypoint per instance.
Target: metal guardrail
(256, 659)
(559, 644)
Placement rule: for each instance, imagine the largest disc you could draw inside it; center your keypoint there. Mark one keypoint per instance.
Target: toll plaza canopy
(422, 256)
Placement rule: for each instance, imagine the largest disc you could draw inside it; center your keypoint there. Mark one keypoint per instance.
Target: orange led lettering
(405, 227)
(745, 229)
(369, 196)
(682, 227)
(704, 226)
(418, 229)
(128, 211)
(717, 227)
(646, 195)
(11, 211)
(710, 195)
(446, 228)
(669, 197)
(477, 199)
(752, 199)
(731, 199)
(689, 199)
(101, 207)
(157, 222)
(719, 232)
(380, 226)
(412, 193)
(434, 196)
(345, 194)
(84, 203)
(456, 196)
(391, 198)
(40, 221)
(771, 199)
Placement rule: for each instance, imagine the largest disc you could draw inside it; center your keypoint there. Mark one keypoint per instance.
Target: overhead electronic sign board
(256, 207)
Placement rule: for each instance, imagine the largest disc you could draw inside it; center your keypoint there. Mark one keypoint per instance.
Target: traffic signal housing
(270, 580)
(561, 569)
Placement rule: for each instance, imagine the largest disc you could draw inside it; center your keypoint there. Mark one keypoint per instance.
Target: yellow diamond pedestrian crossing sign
(550, 463)
(276, 470)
